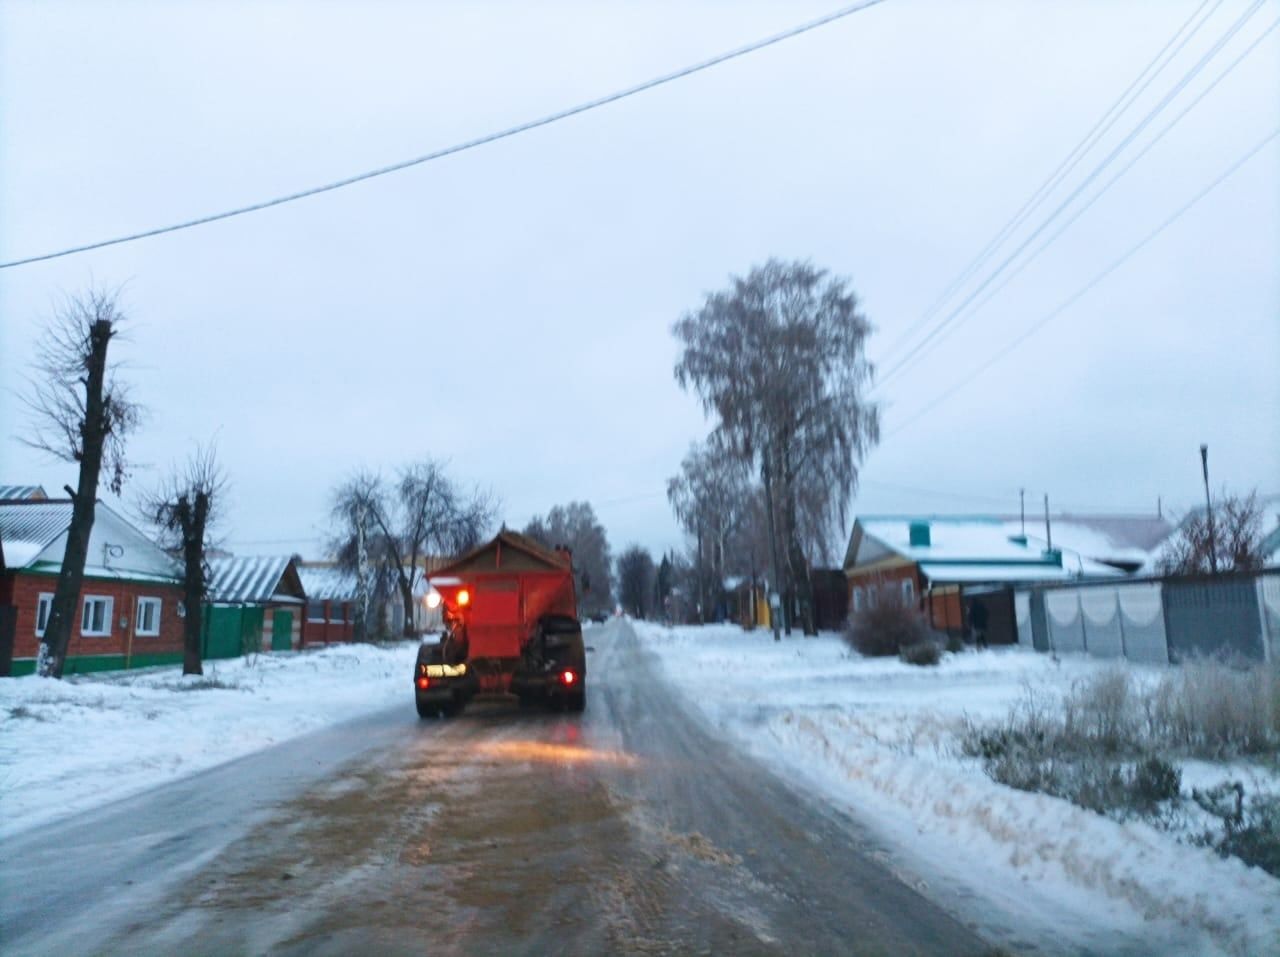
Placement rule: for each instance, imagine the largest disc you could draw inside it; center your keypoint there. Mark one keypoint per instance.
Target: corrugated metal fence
(1156, 620)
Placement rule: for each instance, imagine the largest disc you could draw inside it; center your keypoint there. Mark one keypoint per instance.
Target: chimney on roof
(919, 534)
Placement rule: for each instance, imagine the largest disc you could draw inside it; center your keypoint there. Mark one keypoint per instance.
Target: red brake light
(568, 677)
(423, 683)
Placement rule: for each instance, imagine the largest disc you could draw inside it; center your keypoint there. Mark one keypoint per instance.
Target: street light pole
(1208, 508)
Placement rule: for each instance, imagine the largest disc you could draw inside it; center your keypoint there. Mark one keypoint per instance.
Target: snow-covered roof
(34, 535)
(974, 572)
(327, 583)
(251, 579)
(977, 548)
(33, 493)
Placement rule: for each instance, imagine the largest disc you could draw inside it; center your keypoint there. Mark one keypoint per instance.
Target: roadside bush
(1250, 831)
(924, 653)
(886, 628)
(1212, 710)
(1100, 713)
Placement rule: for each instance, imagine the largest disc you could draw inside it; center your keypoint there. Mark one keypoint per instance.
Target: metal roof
(247, 579)
(27, 527)
(34, 493)
(327, 583)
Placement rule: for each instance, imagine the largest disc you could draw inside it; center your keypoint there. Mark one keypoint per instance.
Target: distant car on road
(599, 617)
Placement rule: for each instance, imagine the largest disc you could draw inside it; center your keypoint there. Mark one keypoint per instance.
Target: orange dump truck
(511, 628)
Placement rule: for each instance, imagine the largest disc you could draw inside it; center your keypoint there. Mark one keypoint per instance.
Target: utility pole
(1208, 508)
(1048, 531)
(1022, 510)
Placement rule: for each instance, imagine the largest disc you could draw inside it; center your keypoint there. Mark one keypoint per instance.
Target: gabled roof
(490, 556)
(34, 538)
(254, 579)
(969, 548)
(30, 493)
(324, 582)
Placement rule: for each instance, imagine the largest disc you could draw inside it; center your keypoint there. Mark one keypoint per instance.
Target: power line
(469, 144)
(1080, 293)
(1155, 111)
(942, 334)
(1099, 129)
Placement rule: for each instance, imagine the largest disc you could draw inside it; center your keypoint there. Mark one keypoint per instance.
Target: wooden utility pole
(1208, 508)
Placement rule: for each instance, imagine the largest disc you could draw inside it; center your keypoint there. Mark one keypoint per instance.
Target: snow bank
(879, 739)
(73, 744)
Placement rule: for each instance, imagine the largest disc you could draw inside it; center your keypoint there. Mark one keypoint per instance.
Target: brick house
(331, 600)
(129, 612)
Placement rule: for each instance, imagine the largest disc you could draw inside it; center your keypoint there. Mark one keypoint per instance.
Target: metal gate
(282, 630)
(1213, 618)
(231, 631)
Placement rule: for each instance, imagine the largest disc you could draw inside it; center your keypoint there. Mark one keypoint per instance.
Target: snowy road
(628, 830)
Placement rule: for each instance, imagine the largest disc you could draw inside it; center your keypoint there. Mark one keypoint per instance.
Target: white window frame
(340, 608)
(148, 602)
(859, 598)
(873, 597)
(908, 592)
(319, 617)
(108, 606)
(43, 604)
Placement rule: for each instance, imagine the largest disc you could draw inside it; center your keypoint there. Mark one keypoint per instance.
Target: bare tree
(423, 513)
(1236, 542)
(360, 550)
(576, 526)
(80, 413)
(186, 508)
(780, 359)
(710, 498)
(636, 580)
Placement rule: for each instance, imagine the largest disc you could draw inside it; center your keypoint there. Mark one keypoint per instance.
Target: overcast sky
(509, 309)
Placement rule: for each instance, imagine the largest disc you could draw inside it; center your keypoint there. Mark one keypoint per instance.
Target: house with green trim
(129, 611)
(255, 604)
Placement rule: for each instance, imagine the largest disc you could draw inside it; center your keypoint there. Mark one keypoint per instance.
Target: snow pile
(77, 743)
(880, 740)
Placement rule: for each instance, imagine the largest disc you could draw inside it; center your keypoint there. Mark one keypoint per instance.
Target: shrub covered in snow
(1109, 743)
(925, 653)
(886, 626)
(1210, 709)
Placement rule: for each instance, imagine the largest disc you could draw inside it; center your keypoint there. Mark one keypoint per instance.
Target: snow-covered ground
(81, 742)
(879, 740)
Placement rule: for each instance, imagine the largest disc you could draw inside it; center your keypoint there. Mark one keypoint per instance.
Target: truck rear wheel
(425, 710)
(577, 702)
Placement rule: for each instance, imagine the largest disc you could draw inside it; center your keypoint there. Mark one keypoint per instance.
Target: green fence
(231, 631)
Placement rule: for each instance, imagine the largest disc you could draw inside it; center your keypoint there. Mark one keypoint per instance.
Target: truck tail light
(423, 682)
(568, 677)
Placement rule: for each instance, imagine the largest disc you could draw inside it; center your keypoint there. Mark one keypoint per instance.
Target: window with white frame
(148, 623)
(337, 612)
(858, 598)
(908, 592)
(315, 611)
(873, 596)
(44, 605)
(95, 619)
